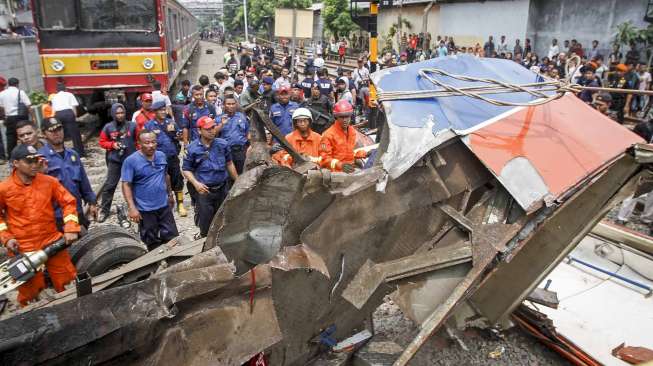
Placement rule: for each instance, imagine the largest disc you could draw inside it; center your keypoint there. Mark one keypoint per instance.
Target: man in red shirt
(145, 114)
(28, 223)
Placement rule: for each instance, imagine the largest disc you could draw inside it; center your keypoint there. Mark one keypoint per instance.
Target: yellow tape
(71, 217)
(3, 226)
(334, 163)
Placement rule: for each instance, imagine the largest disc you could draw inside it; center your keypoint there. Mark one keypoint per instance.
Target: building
(208, 12)
(471, 22)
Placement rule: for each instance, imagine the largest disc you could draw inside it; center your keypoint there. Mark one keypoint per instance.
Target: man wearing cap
(618, 80)
(28, 223)
(235, 129)
(207, 167)
(118, 138)
(268, 94)
(337, 144)
(193, 112)
(168, 135)
(64, 105)
(320, 107)
(281, 112)
(65, 165)
(602, 102)
(144, 114)
(146, 188)
(250, 94)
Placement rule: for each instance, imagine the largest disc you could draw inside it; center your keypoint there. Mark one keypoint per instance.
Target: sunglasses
(32, 159)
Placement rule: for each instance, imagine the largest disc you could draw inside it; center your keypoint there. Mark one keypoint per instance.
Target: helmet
(342, 109)
(302, 113)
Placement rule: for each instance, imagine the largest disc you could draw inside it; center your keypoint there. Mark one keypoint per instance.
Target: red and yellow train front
(110, 44)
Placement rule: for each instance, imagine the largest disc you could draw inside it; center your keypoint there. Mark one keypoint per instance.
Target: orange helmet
(343, 109)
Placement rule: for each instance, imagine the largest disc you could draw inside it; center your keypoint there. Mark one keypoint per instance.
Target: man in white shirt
(282, 81)
(503, 46)
(343, 92)
(554, 49)
(64, 105)
(9, 99)
(644, 84)
(361, 73)
(157, 95)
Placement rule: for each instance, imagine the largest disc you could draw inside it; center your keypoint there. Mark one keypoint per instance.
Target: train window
(53, 15)
(121, 15)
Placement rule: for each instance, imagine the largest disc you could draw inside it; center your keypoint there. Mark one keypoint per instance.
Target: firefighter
(206, 166)
(168, 135)
(28, 223)
(235, 129)
(304, 140)
(118, 138)
(337, 144)
(65, 165)
(146, 188)
(145, 114)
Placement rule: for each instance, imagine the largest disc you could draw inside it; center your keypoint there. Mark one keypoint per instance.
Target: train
(112, 49)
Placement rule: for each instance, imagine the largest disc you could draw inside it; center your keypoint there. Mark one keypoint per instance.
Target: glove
(348, 168)
(183, 150)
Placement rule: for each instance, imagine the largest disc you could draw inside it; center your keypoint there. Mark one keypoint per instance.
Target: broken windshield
(56, 14)
(121, 15)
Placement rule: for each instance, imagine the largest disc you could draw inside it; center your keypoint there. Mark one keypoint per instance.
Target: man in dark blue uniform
(235, 129)
(167, 141)
(64, 164)
(194, 111)
(207, 166)
(281, 112)
(146, 188)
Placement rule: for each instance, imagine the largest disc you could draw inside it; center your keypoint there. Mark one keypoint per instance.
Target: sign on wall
(283, 23)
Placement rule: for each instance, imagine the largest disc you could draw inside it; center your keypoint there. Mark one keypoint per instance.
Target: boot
(180, 204)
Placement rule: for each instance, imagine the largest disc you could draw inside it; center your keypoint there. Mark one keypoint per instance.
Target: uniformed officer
(168, 135)
(193, 112)
(64, 164)
(206, 166)
(235, 129)
(281, 112)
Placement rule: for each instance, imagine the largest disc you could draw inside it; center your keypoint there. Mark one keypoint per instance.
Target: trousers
(61, 271)
(71, 129)
(157, 227)
(206, 205)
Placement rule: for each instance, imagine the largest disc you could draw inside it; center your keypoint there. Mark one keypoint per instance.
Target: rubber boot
(180, 204)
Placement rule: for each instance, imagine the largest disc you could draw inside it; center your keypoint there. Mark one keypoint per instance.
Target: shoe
(198, 236)
(180, 204)
(621, 222)
(103, 216)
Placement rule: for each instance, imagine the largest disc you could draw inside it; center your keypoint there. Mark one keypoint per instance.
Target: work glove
(348, 168)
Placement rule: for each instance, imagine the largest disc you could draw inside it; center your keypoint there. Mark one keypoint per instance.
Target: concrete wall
(583, 20)
(414, 13)
(12, 64)
(472, 22)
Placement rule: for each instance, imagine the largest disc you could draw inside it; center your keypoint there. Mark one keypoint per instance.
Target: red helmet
(343, 109)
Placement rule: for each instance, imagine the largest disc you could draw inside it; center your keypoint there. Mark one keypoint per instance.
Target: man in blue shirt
(167, 141)
(281, 112)
(235, 129)
(194, 111)
(206, 166)
(146, 188)
(64, 164)
(326, 86)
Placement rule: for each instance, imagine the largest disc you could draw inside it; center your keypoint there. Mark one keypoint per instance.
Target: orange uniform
(305, 146)
(47, 111)
(29, 218)
(337, 148)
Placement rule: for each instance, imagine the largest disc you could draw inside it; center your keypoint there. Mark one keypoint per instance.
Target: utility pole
(245, 15)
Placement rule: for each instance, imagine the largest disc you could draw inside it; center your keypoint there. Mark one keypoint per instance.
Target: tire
(95, 236)
(110, 254)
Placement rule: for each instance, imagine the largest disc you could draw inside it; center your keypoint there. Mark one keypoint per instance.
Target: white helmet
(302, 113)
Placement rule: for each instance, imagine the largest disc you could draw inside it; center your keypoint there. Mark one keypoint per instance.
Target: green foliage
(38, 97)
(626, 33)
(336, 18)
(394, 28)
(260, 14)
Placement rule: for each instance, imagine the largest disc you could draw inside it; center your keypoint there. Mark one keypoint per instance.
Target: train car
(113, 49)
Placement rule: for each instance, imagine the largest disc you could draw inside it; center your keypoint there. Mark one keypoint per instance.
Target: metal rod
(613, 274)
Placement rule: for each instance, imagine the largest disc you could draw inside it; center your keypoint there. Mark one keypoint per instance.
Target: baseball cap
(159, 104)
(3, 81)
(604, 97)
(342, 80)
(283, 90)
(268, 80)
(146, 97)
(205, 122)
(24, 152)
(51, 124)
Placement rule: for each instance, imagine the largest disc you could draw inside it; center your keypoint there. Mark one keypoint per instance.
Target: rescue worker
(235, 129)
(65, 165)
(167, 141)
(281, 112)
(46, 108)
(337, 143)
(146, 188)
(304, 140)
(268, 95)
(251, 94)
(118, 138)
(28, 220)
(144, 114)
(320, 107)
(27, 134)
(193, 112)
(207, 166)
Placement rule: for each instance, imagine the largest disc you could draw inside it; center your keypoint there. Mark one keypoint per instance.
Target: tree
(259, 12)
(626, 34)
(646, 36)
(336, 17)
